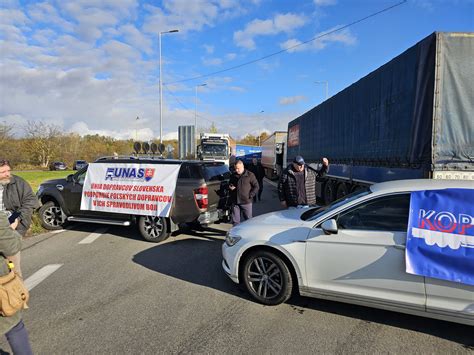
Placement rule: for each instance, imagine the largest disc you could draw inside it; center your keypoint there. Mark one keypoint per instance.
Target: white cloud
(344, 36)
(230, 56)
(281, 23)
(325, 2)
(291, 100)
(209, 49)
(135, 38)
(188, 15)
(211, 61)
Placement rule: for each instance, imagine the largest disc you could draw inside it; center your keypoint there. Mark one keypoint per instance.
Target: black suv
(200, 198)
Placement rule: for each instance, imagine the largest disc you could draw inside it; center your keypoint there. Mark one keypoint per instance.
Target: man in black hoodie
(243, 187)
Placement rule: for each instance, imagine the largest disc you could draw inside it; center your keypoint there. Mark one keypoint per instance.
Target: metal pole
(195, 108)
(161, 84)
(161, 93)
(195, 120)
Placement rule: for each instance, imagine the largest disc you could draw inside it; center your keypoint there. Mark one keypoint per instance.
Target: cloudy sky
(92, 66)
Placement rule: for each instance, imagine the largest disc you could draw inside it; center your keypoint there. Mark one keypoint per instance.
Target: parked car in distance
(199, 199)
(57, 165)
(352, 250)
(79, 164)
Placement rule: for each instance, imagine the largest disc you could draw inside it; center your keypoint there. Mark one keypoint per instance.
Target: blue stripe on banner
(440, 238)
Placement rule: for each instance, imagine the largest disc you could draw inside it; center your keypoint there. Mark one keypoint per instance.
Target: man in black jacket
(257, 169)
(297, 185)
(243, 187)
(16, 196)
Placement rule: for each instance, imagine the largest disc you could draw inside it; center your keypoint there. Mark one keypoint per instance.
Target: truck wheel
(50, 216)
(153, 229)
(267, 277)
(342, 190)
(329, 193)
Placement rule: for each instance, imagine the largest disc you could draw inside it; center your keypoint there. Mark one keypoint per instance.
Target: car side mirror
(70, 178)
(329, 226)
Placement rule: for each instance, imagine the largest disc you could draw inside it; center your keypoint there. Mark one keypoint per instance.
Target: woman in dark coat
(12, 327)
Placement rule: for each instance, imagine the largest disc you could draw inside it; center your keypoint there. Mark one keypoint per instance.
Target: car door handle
(60, 187)
(400, 246)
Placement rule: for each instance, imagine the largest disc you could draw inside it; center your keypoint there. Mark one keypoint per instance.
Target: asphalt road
(112, 292)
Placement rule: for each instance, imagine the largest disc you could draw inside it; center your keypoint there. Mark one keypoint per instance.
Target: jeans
(18, 339)
(246, 211)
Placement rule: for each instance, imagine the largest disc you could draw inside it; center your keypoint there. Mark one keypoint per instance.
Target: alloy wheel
(265, 278)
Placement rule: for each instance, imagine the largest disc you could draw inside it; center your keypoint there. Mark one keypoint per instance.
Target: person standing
(16, 195)
(297, 184)
(257, 169)
(243, 186)
(12, 326)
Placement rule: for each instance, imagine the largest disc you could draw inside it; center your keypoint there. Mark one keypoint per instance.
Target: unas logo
(129, 174)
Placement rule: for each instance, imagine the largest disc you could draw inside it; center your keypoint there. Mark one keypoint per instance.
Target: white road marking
(58, 231)
(41, 275)
(93, 236)
(273, 183)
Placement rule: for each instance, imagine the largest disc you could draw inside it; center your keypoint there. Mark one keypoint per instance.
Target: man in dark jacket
(297, 185)
(16, 196)
(243, 187)
(257, 169)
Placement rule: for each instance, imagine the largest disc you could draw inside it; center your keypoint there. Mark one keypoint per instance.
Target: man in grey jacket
(16, 195)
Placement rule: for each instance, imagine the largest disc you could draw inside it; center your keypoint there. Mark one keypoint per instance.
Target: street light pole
(195, 106)
(195, 113)
(327, 87)
(161, 83)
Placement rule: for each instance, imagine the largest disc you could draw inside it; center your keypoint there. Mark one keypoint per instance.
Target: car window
(195, 171)
(388, 213)
(216, 172)
(184, 172)
(81, 177)
(317, 212)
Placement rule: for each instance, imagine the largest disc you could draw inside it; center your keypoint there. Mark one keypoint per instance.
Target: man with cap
(297, 185)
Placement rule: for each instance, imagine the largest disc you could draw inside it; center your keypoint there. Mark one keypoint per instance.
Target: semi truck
(215, 147)
(274, 154)
(247, 152)
(410, 118)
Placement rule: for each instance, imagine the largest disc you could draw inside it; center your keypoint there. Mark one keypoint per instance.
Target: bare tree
(42, 141)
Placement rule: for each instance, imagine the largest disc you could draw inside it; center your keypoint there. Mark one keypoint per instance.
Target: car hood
(272, 221)
(54, 182)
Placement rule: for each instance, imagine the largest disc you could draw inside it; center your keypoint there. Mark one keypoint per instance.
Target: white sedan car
(352, 250)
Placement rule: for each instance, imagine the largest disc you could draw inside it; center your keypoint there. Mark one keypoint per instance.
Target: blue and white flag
(440, 238)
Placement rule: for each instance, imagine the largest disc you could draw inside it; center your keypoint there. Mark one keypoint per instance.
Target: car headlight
(231, 240)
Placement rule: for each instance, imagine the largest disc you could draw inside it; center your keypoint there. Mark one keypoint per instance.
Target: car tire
(267, 278)
(50, 216)
(153, 229)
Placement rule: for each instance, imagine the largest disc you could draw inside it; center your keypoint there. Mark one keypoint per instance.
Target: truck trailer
(274, 154)
(247, 152)
(411, 118)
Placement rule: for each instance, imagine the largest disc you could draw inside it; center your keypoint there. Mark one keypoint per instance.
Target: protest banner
(137, 189)
(440, 238)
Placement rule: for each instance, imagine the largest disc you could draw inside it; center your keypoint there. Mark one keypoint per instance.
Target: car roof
(420, 184)
(156, 160)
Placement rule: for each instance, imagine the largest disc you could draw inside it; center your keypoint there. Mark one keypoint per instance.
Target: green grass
(35, 178)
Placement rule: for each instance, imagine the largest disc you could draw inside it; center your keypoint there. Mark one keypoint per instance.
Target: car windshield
(214, 149)
(315, 213)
